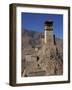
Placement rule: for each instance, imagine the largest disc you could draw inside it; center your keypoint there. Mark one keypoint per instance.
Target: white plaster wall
(48, 37)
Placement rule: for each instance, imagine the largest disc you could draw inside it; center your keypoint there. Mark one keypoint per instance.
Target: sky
(35, 22)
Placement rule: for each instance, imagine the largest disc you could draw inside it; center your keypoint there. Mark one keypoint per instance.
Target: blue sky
(35, 22)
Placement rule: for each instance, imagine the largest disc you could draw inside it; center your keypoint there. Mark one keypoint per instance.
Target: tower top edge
(50, 23)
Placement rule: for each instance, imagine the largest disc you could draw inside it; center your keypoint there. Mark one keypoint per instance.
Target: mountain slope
(40, 64)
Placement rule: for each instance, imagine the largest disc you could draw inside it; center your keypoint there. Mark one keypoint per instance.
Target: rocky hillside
(32, 38)
(49, 63)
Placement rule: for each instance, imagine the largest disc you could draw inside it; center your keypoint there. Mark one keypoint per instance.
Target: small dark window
(37, 58)
(38, 65)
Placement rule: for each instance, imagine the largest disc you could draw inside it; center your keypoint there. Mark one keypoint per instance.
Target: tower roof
(49, 23)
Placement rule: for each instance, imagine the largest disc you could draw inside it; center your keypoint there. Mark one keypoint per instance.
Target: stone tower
(48, 34)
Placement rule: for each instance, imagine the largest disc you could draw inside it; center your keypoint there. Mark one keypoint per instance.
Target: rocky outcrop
(44, 61)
